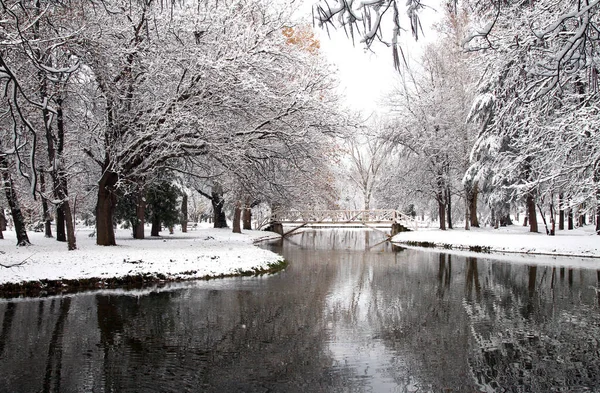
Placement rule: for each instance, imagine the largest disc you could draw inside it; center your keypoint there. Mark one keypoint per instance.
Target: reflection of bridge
(345, 218)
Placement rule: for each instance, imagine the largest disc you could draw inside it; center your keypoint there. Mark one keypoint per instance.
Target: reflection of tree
(514, 323)
(444, 274)
(598, 286)
(133, 335)
(52, 378)
(45, 349)
(110, 325)
(355, 240)
(241, 339)
(570, 278)
(528, 334)
(426, 321)
(7, 323)
(472, 280)
(421, 322)
(530, 305)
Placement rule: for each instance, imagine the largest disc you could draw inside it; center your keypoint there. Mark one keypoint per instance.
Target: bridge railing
(378, 216)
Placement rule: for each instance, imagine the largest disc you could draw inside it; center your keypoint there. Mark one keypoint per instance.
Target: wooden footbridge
(388, 218)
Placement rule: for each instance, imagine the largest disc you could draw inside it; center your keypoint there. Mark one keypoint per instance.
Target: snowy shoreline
(514, 239)
(47, 267)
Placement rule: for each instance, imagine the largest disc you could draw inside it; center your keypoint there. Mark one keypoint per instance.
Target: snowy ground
(581, 242)
(216, 252)
(198, 253)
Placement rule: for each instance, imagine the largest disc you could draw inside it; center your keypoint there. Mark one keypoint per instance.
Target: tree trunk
(552, 219)
(66, 209)
(13, 203)
(217, 204)
(47, 119)
(63, 210)
(140, 212)
(533, 227)
(570, 219)
(237, 215)
(544, 219)
(45, 208)
(62, 189)
(596, 179)
(468, 192)
(494, 219)
(561, 212)
(473, 205)
(442, 213)
(247, 218)
(505, 220)
(184, 212)
(105, 208)
(2, 223)
(449, 207)
(155, 226)
(61, 234)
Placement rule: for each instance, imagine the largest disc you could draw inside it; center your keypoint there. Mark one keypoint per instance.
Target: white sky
(364, 75)
(367, 76)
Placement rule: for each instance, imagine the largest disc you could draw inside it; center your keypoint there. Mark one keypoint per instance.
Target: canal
(349, 314)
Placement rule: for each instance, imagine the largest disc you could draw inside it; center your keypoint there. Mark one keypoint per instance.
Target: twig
(24, 261)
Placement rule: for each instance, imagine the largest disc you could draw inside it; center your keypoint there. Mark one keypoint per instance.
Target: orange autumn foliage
(303, 37)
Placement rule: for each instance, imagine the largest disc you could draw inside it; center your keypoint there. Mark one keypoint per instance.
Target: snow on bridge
(344, 218)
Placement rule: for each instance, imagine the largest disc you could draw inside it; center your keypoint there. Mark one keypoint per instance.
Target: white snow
(215, 252)
(580, 242)
(198, 253)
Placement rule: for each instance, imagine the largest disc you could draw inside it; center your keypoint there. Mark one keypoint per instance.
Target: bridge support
(397, 228)
(276, 227)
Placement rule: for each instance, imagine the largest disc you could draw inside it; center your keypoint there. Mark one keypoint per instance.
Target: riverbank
(581, 242)
(47, 266)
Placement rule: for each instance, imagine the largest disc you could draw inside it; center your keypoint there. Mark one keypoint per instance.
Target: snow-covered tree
(367, 154)
(140, 87)
(13, 199)
(537, 101)
(372, 21)
(429, 112)
(36, 66)
(215, 79)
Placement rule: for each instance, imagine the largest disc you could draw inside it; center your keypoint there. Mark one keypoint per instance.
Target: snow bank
(196, 254)
(581, 242)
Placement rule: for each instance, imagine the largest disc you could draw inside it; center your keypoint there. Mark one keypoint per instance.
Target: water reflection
(7, 323)
(349, 314)
(52, 377)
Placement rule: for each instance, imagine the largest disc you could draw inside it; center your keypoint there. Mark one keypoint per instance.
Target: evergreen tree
(162, 206)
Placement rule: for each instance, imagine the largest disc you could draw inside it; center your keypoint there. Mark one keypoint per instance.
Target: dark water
(339, 319)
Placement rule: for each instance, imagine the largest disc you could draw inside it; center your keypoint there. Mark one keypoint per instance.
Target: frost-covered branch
(366, 18)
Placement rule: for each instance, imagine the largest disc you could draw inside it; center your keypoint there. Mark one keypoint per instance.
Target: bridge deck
(324, 223)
